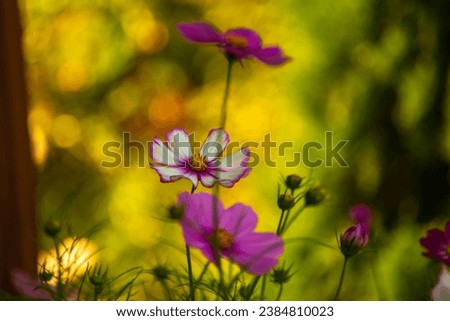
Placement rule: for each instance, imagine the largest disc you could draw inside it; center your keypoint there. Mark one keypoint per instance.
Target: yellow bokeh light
(76, 254)
(66, 131)
(71, 76)
(40, 121)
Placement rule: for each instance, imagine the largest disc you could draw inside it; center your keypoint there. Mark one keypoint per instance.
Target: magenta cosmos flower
(355, 238)
(176, 160)
(437, 244)
(256, 252)
(239, 43)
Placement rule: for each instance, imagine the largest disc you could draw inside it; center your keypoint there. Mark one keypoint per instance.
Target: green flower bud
(286, 201)
(293, 182)
(52, 228)
(315, 196)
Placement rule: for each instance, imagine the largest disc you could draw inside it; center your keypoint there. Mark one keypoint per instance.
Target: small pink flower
(355, 238)
(437, 244)
(176, 160)
(255, 252)
(239, 43)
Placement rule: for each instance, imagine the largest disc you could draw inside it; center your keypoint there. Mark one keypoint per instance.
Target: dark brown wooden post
(17, 210)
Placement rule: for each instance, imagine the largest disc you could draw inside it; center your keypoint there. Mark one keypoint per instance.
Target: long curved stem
(341, 279)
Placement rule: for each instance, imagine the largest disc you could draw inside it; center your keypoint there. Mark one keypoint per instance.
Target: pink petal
(199, 32)
(272, 56)
(360, 213)
(29, 286)
(215, 143)
(253, 39)
(207, 179)
(258, 253)
(239, 220)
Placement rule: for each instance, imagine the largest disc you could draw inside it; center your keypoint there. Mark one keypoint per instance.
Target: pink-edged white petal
(178, 143)
(233, 167)
(161, 154)
(214, 144)
(169, 174)
(208, 179)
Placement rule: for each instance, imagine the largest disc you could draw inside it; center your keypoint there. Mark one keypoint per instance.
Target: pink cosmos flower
(256, 252)
(437, 244)
(355, 238)
(176, 160)
(239, 43)
(441, 291)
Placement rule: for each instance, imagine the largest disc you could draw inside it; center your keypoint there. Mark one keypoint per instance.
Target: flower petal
(258, 253)
(168, 174)
(252, 38)
(233, 167)
(360, 213)
(178, 143)
(215, 143)
(239, 220)
(29, 286)
(199, 32)
(161, 154)
(208, 179)
(272, 56)
(441, 291)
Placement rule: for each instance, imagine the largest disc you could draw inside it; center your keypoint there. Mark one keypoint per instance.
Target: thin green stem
(280, 291)
(223, 109)
(280, 223)
(341, 279)
(60, 285)
(252, 288)
(191, 278)
(263, 288)
(167, 290)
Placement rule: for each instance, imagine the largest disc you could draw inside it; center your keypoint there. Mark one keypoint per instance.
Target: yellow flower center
(197, 163)
(237, 41)
(224, 238)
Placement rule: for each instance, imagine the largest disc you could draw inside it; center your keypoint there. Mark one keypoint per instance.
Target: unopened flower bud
(281, 275)
(315, 196)
(98, 277)
(45, 275)
(52, 228)
(286, 201)
(176, 212)
(293, 181)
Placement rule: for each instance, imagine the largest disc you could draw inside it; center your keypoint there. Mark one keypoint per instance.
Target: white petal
(172, 174)
(215, 143)
(233, 168)
(441, 292)
(207, 180)
(160, 153)
(178, 143)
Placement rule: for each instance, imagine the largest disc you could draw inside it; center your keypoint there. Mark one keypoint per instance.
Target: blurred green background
(374, 72)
